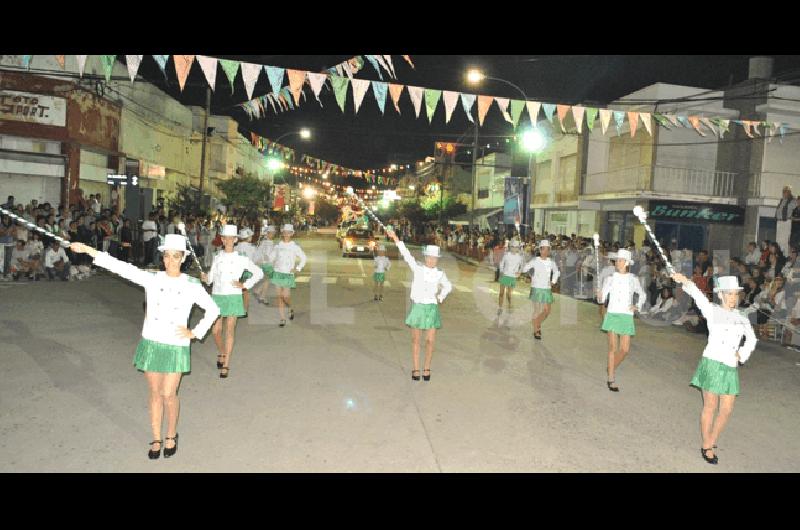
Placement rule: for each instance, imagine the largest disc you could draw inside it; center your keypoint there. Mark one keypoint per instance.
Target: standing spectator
(56, 262)
(97, 206)
(783, 219)
(149, 237)
(9, 205)
(126, 240)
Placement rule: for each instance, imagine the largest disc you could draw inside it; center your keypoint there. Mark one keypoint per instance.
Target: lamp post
(475, 77)
(533, 142)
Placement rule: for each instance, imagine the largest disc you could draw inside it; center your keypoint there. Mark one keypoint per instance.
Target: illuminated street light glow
(533, 141)
(305, 134)
(475, 76)
(309, 193)
(274, 164)
(412, 187)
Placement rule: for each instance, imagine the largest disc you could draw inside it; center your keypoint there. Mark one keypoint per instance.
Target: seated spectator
(21, 262)
(700, 279)
(56, 262)
(661, 310)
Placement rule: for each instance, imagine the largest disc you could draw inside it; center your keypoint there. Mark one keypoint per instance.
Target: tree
(247, 194)
(326, 210)
(185, 200)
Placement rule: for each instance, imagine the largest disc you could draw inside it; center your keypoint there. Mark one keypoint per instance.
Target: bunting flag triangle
(591, 116)
(286, 96)
(348, 70)
(275, 76)
(209, 67)
(516, 111)
(395, 91)
(484, 102)
(754, 125)
(450, 99)
(782, 131)
(297, 79)
(709, 125)
(415, 92)
(133, 62)
(316, 81)
(250, 73)
(340, 89)
(374, 62)
(605, 119)
(161, 61)
(577, 114)
(183, 63)
(648, 124)
(390, 64)
(777, 126)
(381, 61)
(107, 62)
(502, 104)
(695, 121)
(562, 110)
(683, 121)
(360, 87)
(661, 120)
(533, 111)
(619, 119)
(61, 60)
(548, 111)
(230, 68)
(673, 119)
(633, 121)
(432, 98)
(468, 101)
(408, 60)
(26, 61)
(379, 89)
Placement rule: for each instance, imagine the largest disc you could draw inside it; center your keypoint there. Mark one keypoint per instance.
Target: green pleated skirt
(152, 356)
(508, 281)
(268, 269)
(542, 296)
(230, 305)
(619, 323)
(716, 377)
(424, 316)
(379, 277)
(283, 279)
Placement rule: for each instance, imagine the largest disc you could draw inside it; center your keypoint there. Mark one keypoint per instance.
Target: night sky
(367, 140)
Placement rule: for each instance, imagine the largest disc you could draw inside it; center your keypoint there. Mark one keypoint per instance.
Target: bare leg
(246, 299)
(500, 297)
(415, 336)
(154, 381)
(430, 339)
(612, 349)
(710, 401)
(169, 393)
(217, 332)
(509, 292)
(725, 410)
(543, 314)
(281, 309)
(624, 348)
(230, 333)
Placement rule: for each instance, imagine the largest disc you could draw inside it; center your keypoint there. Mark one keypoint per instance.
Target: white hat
(626, 255)
(244, 233)
(287, 228)
(270, 228)
(173, 242)
(432, 250)
(230, 231)
(727, 283)
(381, 248)
(612, 255)
(544, 243)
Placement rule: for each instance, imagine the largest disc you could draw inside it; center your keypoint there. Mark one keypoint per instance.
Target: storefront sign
(33, 108)
(122, 180)
(692, 212)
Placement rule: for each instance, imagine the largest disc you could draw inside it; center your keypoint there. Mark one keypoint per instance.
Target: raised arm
(120, 268)
(204, 300)
(403, 250)
(697, 295)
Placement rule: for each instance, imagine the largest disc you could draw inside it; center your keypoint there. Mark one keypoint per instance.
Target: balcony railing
(663, 179)
(769, 185)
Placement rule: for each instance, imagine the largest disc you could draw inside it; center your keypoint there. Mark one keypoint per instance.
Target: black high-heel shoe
(291, 314)
(282, 323)
(153, 455)
(219, 364)
(427, 377)
(710, 460)
(415, 377)
(224, 375)
(169, 451)
(613, 387)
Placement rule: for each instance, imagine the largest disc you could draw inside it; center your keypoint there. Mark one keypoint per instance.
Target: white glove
(298, 269)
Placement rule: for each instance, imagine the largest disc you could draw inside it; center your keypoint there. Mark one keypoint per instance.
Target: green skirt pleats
(283, 279)
(230, 305)
(619, 323)
(716, 377)
(508, 281)
(424, 316)
(543, 296)
(379, 277)
(268, 269)
(154, 356)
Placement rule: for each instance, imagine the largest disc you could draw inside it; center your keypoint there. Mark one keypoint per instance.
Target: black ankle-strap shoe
(154, 454)
(169, 451)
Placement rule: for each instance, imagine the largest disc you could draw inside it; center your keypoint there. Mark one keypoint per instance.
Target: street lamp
(303, 133)
(533, 142)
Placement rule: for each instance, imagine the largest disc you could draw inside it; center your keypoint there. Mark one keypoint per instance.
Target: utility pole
(203, 149)
(474, 173)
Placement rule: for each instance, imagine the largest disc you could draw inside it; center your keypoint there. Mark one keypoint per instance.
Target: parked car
(344, 226)
(358, 242)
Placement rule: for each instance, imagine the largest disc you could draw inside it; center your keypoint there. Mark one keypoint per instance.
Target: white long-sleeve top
(619, 289)
(247, 249)
(725, 330)
(52, 256)
(227, 268)
(169, 301)
(605, 272)
(427, 281)
(382, 264)
(283, 257)
(263, 252)
(542, 270)
(511, 264)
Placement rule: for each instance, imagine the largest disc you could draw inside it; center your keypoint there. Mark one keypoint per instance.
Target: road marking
(356, 281)
(329, 279)
(485, 289)
(463, 289)
(302, 279)
(361, 266)
(387, 284)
